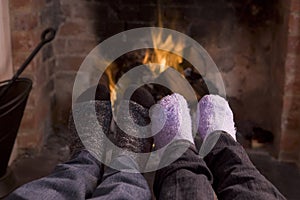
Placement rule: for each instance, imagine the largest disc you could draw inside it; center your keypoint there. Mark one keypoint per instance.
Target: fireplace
(254, 43)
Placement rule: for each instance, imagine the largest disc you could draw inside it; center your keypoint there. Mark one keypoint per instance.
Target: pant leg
(121, 184)
(186, 178)
(75, 179)
(235, 177)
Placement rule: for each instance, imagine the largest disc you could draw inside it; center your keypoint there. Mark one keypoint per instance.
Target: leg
(75, 179)
(188, 176)
(122, 179)
(119, 184)
(235, 177)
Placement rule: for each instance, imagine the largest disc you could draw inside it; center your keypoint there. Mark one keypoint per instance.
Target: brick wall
(27, 23)
(277, 77)
(290, 140)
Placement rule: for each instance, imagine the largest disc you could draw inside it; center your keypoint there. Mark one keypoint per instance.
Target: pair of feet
(214, 114)
(170, 120)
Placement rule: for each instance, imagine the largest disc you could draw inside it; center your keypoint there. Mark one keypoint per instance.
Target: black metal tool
(47, 36)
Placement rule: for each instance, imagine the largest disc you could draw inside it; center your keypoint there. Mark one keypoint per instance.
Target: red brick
(47, 53)
(24, 5)
(293, 44)
(24, 21)
(51, 67)
(295, 6)
(71, 29)
(293, 116)
(29, 139)
(31, 100)
(291, 63)
(19, 59)
(290, 142)
(294, 25)
(24, 41)
(66, 10)
(292, 87)
(69, 63)
(66, 2)
(64, 82)
(41, 76)
(27, 120)
(291, 112)
(90, 11)
(39, 4)
(59, 46)
(75, 46)
(292, 74)
(34, 94)
(42, 109)
(80, 29)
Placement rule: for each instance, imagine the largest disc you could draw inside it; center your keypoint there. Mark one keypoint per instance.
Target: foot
(215, 115)
(129, 137)
(83, 108)
(171, 120)
(89, 130)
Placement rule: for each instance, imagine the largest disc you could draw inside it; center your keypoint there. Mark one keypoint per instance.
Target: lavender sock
(215, 114)
(173, 115)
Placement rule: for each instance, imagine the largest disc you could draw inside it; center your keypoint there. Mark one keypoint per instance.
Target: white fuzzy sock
(215, 114)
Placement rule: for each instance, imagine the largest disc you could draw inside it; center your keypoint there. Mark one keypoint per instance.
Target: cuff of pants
(186, 178)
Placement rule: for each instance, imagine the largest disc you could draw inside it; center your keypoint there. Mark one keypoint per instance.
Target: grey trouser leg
(123, 185)
(75, 179)
(235, 177)
(186, 178)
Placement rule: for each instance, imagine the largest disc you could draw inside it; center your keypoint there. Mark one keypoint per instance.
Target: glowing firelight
(156, 59)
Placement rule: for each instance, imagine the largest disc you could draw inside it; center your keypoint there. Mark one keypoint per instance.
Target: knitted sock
(90, 137)
(131, 140)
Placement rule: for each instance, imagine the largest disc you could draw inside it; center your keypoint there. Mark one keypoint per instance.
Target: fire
(112, 85)
(163, 58)
(157, 60)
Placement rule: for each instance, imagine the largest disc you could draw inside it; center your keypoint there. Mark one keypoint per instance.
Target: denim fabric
(186, 178)
(227, 169)
(235, 177)
(75, 179)
(121, 184)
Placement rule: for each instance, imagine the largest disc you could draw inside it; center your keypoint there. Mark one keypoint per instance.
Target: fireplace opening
(241, 39)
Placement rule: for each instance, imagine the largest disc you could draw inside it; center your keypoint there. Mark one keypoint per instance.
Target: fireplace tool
(13, 97)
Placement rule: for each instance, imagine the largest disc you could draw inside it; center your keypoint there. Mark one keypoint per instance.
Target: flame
(164, 59)
(112, 85)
